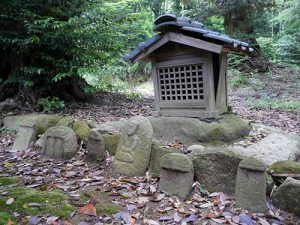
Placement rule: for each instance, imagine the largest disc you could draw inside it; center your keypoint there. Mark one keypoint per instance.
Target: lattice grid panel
(181, 83)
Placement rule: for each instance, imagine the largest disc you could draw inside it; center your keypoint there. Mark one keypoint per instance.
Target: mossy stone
(217, 169)
(52, 202)
(287, 196)
(111, 141)
(66, 121)
(81, 129)
(157, 153)
(285, 167)
(176, 162)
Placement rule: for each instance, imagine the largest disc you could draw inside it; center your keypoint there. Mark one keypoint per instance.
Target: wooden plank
(187, 113)
(180, 62)
(197, 43)
(156, 85)
(221, 99)
(155, 46)
(209, 87)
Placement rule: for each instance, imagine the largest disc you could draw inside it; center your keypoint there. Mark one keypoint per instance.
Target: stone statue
(134, 148)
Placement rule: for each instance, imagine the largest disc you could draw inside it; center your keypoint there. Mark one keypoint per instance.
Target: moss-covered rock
(157, 153)
(42, 121)
(177, 162)
(287, 196)
(81, 129)
(111, 141)
(194, 131)
(66, 121)
(51, 202)
(285, 167)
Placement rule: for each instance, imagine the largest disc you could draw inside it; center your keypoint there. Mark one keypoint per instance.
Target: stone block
(95, 146)
(26, 135)
(59, 142)
(251, 185)
(176, 175)
(111, 141)
(81, 129)
(134, 148)
(157, 153)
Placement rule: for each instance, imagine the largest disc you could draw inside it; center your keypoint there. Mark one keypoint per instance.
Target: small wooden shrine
(189, 65)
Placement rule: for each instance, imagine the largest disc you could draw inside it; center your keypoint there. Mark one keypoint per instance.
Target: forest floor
(96, 195)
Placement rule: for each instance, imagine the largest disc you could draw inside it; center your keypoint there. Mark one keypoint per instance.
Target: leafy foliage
(51, 103)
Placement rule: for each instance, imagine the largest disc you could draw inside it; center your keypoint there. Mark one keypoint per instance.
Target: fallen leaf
(143, 200)
(89, 209)
(245, 219)
(165, 218)
(51, 219)
(177, 218)
(33, 220)
(157, 197)
(10, 201)
(191, 218)
(9, 222)
(206, 205)
(263, 222)
(152, 222)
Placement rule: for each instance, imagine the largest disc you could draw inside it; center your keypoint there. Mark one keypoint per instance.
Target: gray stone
(95, 146)
(66, 121)
(287, 196)
(157, 153)
(216, 169)
(134, 148)
(195, 149)
(194, 131)
(26, 135)
(60, 142)
(275, 147)
(39, 142)
(189, 130)
(251, 185)
(177, 175)
(111, 141)
(285, 167)
(42, 121)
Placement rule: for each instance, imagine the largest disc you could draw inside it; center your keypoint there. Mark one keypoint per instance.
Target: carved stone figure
(59, 142)
(25, 136)
(95, 146)
(134, 148)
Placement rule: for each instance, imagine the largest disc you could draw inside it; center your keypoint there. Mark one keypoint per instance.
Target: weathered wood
(209, 84)
(221, 99)
(197, 43)
(156, 85)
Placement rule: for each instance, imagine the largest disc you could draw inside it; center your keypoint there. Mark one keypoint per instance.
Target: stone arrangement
(141, 144)
(251, 185)
(60, 142)
(26, 135)
(95, 146)
(177, 174)
(134, 149)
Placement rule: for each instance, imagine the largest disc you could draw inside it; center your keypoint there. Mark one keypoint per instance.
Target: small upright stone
(176, 176)
(134, 148)
(251, 185)
(95, 146)
(25, 136)
(59, 142)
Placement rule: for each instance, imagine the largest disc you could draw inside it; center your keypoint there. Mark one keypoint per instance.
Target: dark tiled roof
(171, 23)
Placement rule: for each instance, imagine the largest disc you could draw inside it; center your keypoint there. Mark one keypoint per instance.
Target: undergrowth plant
(51, 103)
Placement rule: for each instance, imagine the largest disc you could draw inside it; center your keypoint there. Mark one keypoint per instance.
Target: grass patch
(9, 180)
(293, 105)
(53, 202)
(4, 218)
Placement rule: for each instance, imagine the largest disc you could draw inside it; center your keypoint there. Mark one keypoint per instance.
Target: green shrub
(51, 103)
(237, 79)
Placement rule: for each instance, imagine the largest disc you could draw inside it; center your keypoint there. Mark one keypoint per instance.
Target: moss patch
(104, 203)
(53, 202)
(8, 180)
(285, 167)
(81, 129)
(4, 218)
